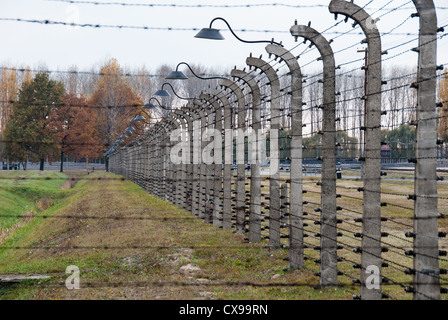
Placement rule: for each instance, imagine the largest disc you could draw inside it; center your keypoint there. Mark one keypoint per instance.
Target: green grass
(145, 248)
(150, 247)
(21, 190)
(41, 179)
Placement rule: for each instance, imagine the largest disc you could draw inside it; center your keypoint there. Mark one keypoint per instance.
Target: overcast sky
(59, 47)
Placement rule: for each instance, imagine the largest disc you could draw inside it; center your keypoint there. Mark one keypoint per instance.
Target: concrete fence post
(202, 167)
(209, 176)
(142, 161)
(169, 168)
(125, 161)
(371, 218)
(157, 158)
(195, 151)
(218, 162)
(189, 182)
(118, 164)
(146, 162)
(274, 154)
(180, 197)
(156, 163)
(284, 212)
(195, 162)
(128, 162)
(328, 247)
(131, 161)
(241, 174)
(254, 154)
(165, 168)
(227, 157)
(151, 162)
(295, 252)
(174, 177)
(175, 174)
(135, 158)
(426, 251)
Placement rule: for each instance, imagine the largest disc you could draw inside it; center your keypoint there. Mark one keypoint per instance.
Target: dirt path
(71, 181)
(128, 244)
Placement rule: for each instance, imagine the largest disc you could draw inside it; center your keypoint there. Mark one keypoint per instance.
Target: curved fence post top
(206, 103)
(213, 102)
(357, 13)
(322, 44)
(198, 103)
(286, 56)
(248, 78)
(221, 96)
(235, 89)
(180, 113)
(266, 68)
(176, 117)
(426, 11)
(196, 106)
(230, 85)
(206, 96)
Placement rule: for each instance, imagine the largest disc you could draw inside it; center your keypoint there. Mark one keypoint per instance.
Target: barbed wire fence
(357, 233)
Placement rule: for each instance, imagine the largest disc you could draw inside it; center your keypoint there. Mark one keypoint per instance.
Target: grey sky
(59, 47)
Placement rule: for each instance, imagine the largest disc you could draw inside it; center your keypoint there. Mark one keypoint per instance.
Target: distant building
(386, 154)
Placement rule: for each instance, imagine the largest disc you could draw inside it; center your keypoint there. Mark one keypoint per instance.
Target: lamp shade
(138, 118)
(176, 75)
(209, 33)
(162, 93)
(149, 106)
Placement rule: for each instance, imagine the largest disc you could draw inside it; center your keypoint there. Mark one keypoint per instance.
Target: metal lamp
(179, 75)
(164, 93)
(214, 34)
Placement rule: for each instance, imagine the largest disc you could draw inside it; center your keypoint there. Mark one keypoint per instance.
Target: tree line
(49, 118)
(50, 114)
(81, 114)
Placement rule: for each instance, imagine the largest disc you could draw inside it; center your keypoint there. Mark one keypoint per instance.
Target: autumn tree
(27, 77)
(74, 125)
(8, 93)
(443, 97)
(114, 101)
(29, 132)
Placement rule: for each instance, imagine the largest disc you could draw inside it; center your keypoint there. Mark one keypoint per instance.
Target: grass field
(131, 245)
(140, 247)
(396, 208)
(25, 193)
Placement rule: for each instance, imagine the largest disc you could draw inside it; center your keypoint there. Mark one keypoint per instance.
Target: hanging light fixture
(215, 34)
